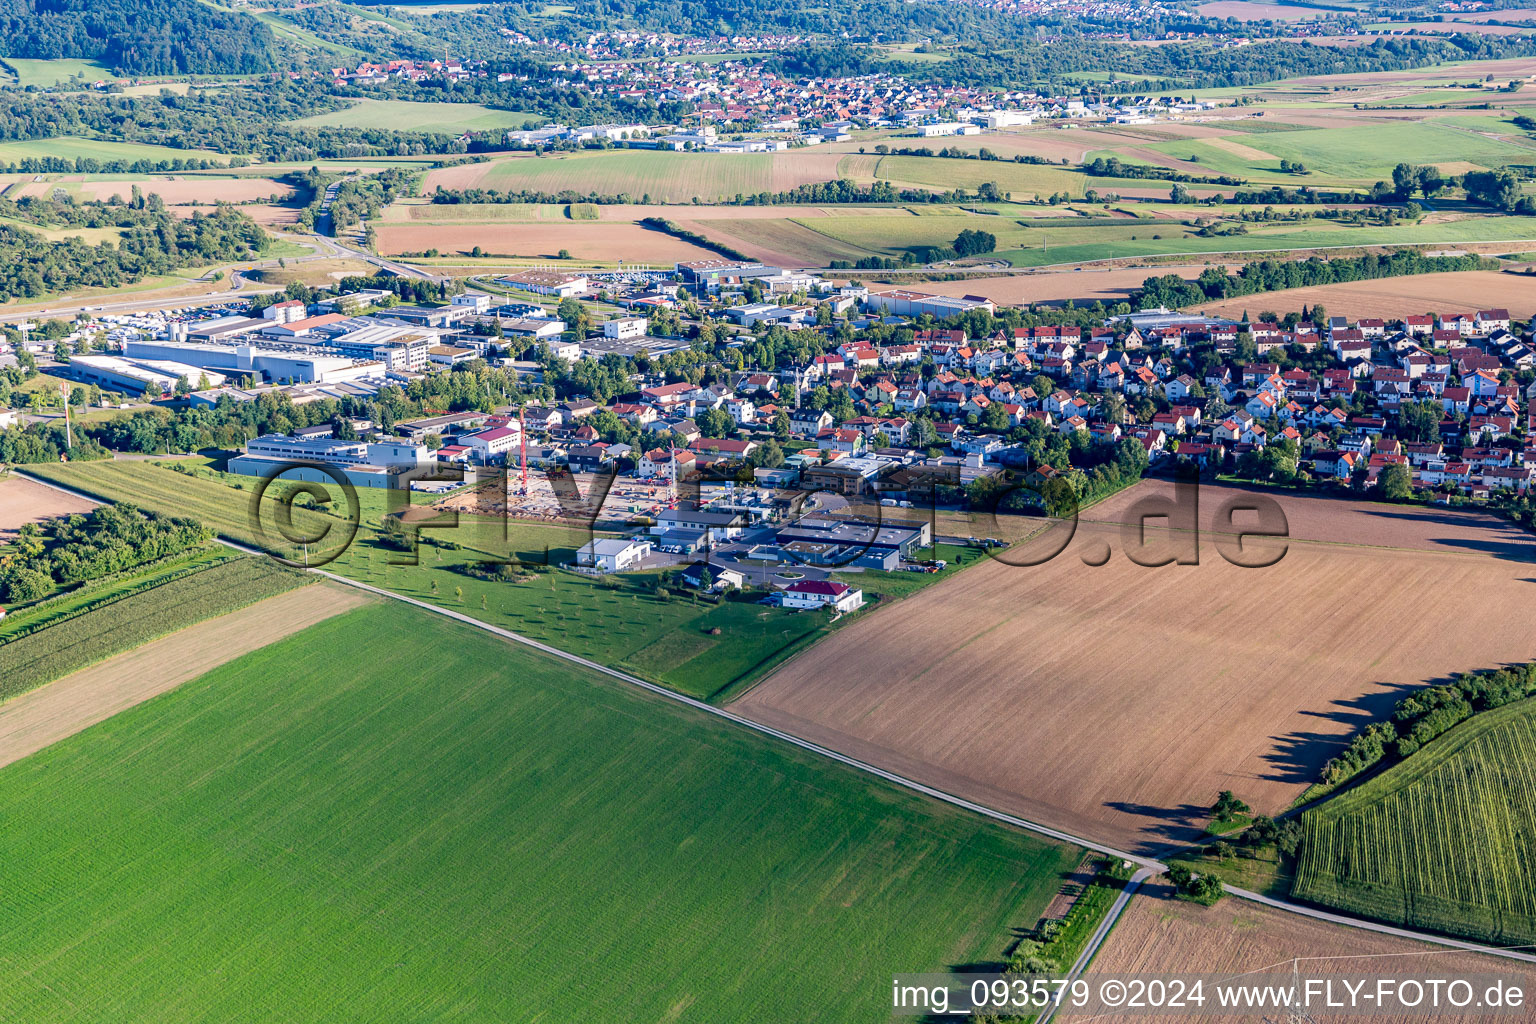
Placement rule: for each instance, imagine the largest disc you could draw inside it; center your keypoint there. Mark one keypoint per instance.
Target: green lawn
(410, 115)
(395, 817)
(1442, 840)
(45, 73)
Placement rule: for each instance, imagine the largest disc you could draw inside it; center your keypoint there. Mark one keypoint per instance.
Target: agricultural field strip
(56, 710)
(1099, 935)
(892, 777)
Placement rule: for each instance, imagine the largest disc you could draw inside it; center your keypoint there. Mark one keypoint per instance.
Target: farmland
(644, 175)
(1462, 292)
(588, 241)
(1441, 841)
(1157, 935)
(44, 716)
(369, 818)
(123, 622)
(1116, 701)
(175, 190)
(26, 501)
(1359, 155)
(408, 115)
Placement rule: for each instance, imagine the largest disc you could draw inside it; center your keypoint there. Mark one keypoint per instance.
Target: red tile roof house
(821, 593)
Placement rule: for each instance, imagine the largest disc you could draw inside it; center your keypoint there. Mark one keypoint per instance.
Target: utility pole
(69, 434)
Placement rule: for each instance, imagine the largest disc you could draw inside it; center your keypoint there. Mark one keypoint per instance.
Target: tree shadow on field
(1505, 540)
(1177, 826)
(1298, 757)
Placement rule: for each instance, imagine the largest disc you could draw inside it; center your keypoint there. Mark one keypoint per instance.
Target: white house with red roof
(822, 593)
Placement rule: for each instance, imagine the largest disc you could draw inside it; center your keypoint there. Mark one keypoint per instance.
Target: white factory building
(237, 360)
(116, 373)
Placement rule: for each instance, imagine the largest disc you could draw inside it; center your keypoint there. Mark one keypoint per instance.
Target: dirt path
(66, 706)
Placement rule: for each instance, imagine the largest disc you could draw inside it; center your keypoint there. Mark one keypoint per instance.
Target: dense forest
(138, 37)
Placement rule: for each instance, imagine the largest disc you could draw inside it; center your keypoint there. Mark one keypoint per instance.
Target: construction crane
(522, 441)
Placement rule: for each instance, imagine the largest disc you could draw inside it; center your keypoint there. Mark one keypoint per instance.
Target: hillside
(151, 37)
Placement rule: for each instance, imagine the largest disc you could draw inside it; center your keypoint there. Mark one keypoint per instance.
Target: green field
(698, 648)
(69, 147)
(391, 816)
(1357, 155)
(1441, 841)
(46, 73)
(118, 620)
(1023, 180)
(664, 176)
(413, 116)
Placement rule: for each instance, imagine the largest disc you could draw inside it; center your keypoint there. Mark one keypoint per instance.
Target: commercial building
(361, 463)
(613, 555)
(625, 327)
(542, 282)
(818, 540)
(221, 328)
(398, 348)
(239, 360)
(135, 376)
(904, 302)
(947, 128)
(493, 444)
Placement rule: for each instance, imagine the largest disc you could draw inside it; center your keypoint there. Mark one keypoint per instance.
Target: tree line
(1269, 275)
(138, 37)
(1428, 713)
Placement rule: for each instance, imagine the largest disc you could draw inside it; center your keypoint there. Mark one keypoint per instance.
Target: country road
(1148, 866)
(1099, 935)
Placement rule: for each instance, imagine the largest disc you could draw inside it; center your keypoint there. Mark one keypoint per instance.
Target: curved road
(1149, 867)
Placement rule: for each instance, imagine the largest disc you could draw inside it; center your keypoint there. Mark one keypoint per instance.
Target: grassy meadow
(695, 647)
(1440, 841)
(394, 816)
(411, 115)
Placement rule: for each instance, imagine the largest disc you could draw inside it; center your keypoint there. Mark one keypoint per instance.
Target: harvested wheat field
(1466, 291)
(1116, 701)
(62, 708)
(584, 240)
(1157, 935)
(27, 501)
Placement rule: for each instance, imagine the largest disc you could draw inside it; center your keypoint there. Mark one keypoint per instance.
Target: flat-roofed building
(275, 364)
(544, 282)
(905, 302)
(362, 463)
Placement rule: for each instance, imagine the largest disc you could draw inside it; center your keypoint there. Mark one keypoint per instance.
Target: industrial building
(362, 463)
(236, 360)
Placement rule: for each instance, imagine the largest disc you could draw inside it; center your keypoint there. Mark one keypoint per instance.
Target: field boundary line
(952, 799)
